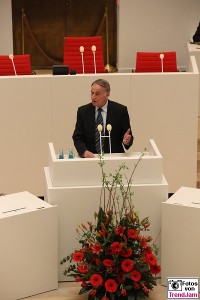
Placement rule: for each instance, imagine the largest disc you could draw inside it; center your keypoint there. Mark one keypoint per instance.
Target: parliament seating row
(85, 55)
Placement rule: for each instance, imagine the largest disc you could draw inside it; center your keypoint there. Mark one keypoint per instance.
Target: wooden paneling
(51, 20)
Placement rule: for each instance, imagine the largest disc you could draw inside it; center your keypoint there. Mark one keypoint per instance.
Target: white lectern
(180, 242)
(28, 252)
(75, 185)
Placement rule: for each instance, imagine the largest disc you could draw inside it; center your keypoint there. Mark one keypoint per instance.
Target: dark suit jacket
(84, 133)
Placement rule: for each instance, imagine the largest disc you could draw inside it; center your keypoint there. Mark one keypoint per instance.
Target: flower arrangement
(116, 258)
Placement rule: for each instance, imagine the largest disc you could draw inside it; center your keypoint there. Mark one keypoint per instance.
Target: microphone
(161, 57)
(82, 51)
(11, 56)
(100, 128)
(94, 55)
(109, 128)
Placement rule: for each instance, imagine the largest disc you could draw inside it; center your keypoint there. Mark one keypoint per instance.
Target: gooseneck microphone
(100, 129)
(11, 56)
(161, 58)
(94, 55)
(109, 128)
(82, 58)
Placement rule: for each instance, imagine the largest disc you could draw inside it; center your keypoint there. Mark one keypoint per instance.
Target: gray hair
(104, 83)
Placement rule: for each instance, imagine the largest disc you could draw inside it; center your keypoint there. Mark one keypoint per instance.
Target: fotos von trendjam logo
(182, 288)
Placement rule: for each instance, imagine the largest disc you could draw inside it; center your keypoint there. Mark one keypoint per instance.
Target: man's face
(99, 96)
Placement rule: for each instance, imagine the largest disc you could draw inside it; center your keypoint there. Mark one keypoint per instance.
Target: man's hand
(88, 154)
(127, 137)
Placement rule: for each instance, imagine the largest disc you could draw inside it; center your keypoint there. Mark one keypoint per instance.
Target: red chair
(152, 62)
(87, 61)
(9, 64)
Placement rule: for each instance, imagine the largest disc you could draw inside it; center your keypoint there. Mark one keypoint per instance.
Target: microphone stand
(81, 51)
(109, 128)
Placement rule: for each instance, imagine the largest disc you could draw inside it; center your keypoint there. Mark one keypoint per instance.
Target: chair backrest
(21, 63)
(73, 57)
(152, 62)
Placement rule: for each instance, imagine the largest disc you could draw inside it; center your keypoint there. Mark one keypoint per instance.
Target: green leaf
(132, 296)
(85, 289)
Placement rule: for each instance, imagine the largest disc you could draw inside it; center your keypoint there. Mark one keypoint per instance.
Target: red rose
(120, 278)
(145, 290)
(82, 269)
(78, 279)
(144, 243)
(116, 247)
(126, 252)
(127, 265)
(119, 230)
(132, 234)
(151, 259)
(77, 256)
(147, 251)
(155, 269)
(96, 260)
(136, 286)
(123, 292)
(108, 262)
(83, 284)
(93, 293)
(96, 280)
(104, 298)
(111, 285)
(135, 275)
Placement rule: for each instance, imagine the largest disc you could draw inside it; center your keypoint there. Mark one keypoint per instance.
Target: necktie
(99, 120)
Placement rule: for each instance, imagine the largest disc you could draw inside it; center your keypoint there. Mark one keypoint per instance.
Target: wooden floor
(70, 290)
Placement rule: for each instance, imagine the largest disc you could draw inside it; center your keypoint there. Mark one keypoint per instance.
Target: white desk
(29, 250)
(87, 172)
(180, 242)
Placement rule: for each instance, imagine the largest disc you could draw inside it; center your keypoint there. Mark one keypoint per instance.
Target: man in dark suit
(112, 113)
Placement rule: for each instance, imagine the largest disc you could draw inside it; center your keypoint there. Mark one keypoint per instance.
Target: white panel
(29, 246)
(25, 130)
(71, 172)
(77, 205)
(36, 110)
(165, 108)
(180, 235)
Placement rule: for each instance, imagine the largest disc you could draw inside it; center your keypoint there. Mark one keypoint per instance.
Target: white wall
(6, 36)
(36, 110)
(156, 25)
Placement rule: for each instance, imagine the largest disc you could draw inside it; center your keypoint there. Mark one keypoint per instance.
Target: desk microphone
(11, 56)
(109, 128)
(100, 129)
(161, 58)
(94, 55)
(82, 51)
